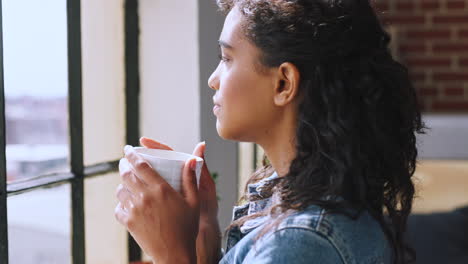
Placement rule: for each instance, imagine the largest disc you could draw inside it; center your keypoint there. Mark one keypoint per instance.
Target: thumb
(153, 144)
(189, 183)
(199, 150)
(207, 186)
(207, 194)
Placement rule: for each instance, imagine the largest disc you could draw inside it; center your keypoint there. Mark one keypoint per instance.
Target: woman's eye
(222, 58)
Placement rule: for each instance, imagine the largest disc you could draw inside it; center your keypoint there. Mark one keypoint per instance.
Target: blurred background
(175, 52)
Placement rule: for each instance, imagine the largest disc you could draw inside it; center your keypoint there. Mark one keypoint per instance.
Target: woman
(313, 83)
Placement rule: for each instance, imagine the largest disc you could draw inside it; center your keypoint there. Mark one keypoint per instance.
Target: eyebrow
(225, 44)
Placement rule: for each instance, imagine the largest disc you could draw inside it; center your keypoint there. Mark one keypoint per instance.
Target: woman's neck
(279, 144)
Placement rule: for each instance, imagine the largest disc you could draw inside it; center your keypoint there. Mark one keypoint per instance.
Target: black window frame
(78, 172)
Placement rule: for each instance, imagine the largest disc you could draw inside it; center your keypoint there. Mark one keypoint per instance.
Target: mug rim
(186, 155)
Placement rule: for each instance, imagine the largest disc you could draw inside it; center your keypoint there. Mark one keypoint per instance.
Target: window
(36, 81)
(62, 136)
(439, 76)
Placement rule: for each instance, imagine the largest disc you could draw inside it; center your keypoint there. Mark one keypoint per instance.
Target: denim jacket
(308, 236)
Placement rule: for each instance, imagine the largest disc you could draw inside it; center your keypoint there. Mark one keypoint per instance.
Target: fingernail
(193, 164)
(204, 146)
(127, 148)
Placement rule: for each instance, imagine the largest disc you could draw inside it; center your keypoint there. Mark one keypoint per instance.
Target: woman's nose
(213, 81)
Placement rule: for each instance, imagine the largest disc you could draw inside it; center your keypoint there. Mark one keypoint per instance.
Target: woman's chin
(224, 132)
(220, 129)
(230, 134)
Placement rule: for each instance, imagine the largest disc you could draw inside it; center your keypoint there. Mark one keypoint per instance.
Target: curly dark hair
(358, 115)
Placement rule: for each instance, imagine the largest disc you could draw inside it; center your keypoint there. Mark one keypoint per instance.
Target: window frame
(78, 171)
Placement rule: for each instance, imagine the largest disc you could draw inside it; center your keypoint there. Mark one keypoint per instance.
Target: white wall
(103, 80)
(106, 239)
(169, 72)
(103, 125)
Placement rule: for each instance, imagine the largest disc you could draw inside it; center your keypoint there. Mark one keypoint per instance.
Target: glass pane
(434, 178)
(106, 239)
(39, 226)
(246, 164)
(36, 83)
(103, 80)
(443, 165)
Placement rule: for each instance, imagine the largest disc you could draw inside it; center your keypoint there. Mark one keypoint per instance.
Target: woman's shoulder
(327, 222)
(293, 241)
(293, 244)
(315, 234)
(357, 239)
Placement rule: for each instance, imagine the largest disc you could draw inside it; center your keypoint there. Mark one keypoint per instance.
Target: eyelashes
(222, 58)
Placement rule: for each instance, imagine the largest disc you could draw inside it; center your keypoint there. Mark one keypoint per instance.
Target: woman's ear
(287, 84)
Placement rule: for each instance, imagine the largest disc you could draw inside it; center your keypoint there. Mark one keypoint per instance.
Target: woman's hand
(209, 235)
(162, 221)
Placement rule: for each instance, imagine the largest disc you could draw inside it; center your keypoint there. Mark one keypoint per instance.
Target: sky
(35, 48)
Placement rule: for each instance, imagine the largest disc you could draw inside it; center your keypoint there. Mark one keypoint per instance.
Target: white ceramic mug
(169, 164)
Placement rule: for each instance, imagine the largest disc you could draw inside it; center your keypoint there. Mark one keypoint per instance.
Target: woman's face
(244, 104)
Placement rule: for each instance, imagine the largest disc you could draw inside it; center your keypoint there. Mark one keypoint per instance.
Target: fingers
(142, 168)
(207, 195)
(125, 197)
(199, 150)
(189, 183)
(131, 181)
(207, 188)
(153, 144)
(121, 214)
(206, 182)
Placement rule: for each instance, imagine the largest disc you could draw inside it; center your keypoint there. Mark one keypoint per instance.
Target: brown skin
(256, 104)
(209, 235)
(148, 204)
(141, 222)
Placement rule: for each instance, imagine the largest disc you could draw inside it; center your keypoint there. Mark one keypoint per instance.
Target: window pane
(246, 165)
(443, 165)
(39, 226)
(36, 83)
(106, 239)
(433, 179)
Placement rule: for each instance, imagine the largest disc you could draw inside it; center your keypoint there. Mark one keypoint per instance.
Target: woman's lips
(216, 109)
